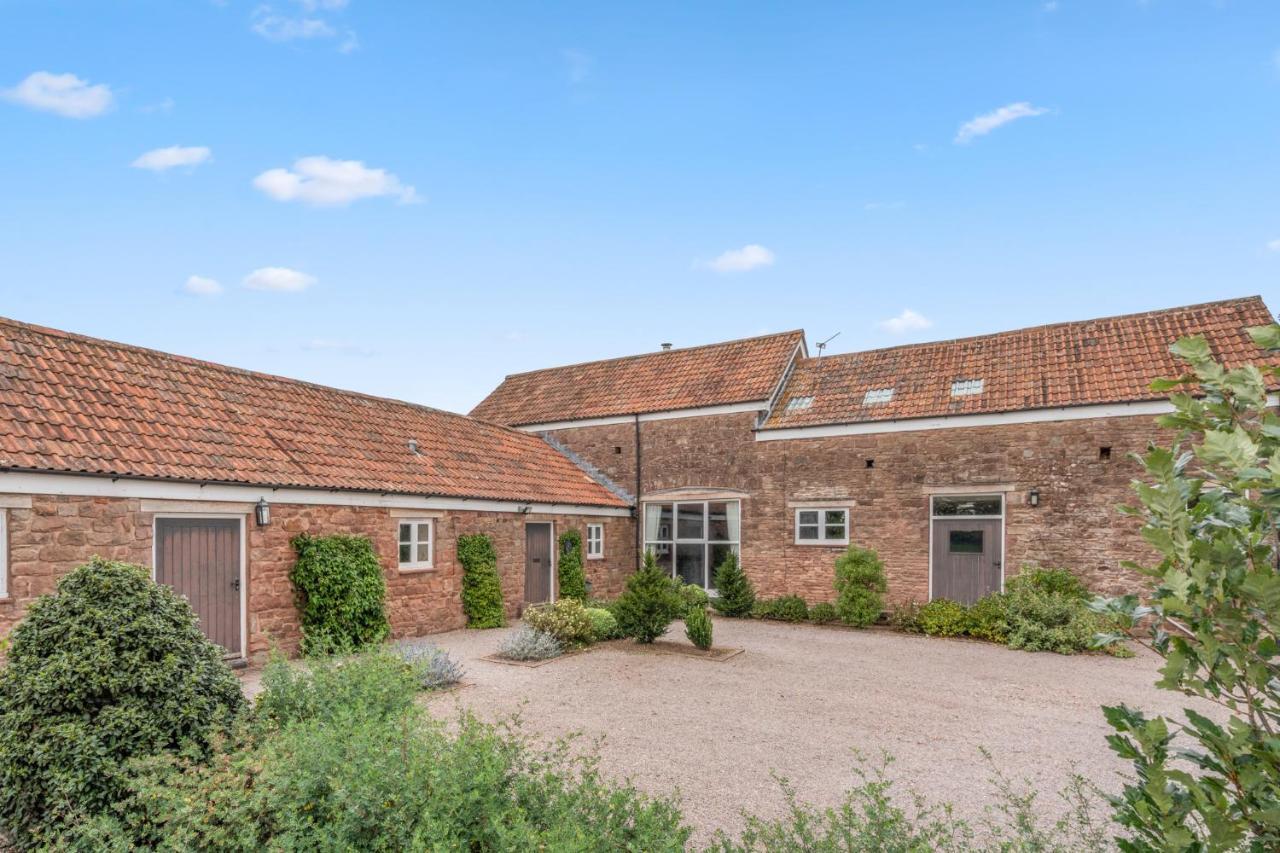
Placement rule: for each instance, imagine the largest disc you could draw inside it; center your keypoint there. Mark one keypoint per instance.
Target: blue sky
(416, 199)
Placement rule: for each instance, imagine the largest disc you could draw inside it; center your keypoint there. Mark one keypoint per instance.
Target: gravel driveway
(802, 698)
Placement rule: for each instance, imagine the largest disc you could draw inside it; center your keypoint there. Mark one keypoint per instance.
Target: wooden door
(200, 559)
(967, 558)
(537, 563)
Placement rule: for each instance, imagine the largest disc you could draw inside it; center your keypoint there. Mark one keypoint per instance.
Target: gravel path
(801, 698)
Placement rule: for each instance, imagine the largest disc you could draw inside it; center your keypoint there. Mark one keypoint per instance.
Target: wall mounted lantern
(262, 512)
(1033, 497)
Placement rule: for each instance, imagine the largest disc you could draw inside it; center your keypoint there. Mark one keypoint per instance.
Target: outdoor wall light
(262, 512)
(1033, 497)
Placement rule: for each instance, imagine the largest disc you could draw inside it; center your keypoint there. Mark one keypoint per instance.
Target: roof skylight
(876, 396)
(966, 387)
(799, 404)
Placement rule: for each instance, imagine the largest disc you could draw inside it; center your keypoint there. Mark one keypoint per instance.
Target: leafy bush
(603, 624)
(572, 579)
(110, 667)
(566, 620)
(989, 618)
(1052, 581)
(735, 596)
(356, 777)
(526, 643)
(375, 681)
(481, 587)
(860, 586)
(823, 612)
(943, 618)
(697, 627)
(341, 593)
(1041, 621)
(906, 617)
(694, 596)
(433, 666)
(788, 608)
(650, 603)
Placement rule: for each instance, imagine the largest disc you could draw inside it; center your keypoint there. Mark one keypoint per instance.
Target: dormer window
(876, 396)
(966, 387)
(799, 404)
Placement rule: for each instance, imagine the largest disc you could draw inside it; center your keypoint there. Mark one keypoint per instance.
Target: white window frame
(414, 542)
(595, 541)
(967, 387)
(673, 539)
(4, 554)
(822, 525)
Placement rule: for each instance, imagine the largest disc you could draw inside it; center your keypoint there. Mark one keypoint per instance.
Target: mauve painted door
(537, 563)
(200, 559)
(967, 555)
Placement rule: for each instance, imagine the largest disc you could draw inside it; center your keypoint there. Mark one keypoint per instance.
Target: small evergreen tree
(697, 627)
(650, 603)
(481, 588)
(735, 594)
(573, 582)
(860, 586)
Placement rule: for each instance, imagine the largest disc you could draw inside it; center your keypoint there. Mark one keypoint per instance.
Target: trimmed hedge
(860, 586)
(573, 581)
(481, 587)
(341, 593)
(113, 666)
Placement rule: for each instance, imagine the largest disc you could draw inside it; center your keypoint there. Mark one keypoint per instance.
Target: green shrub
(650, 603)
(697, 627)
(788, 608)
(376, 681)
(528, 643)
(110, 667)
(604, 626)
(566, 620)
(360, 778)
(943, 618)
(694, 596)
(481, 587)
(989, 618)
(572, 579)
(860, 586)
(1052, 581)
(341, 593)
(906, 617)
(735, 595)
(823, 613)
(1041, 621)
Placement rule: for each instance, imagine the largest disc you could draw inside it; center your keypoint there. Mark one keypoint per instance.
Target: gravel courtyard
(801, 698)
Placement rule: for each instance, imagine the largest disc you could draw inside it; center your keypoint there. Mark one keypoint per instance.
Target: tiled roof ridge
(672, 351)
(1061, 324)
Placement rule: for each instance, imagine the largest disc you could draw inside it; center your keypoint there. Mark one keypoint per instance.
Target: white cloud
(311, 20)
(1273, 246)
(749, 257)
(164, 105)
(64, 94)
(343, 347)
(202, 286)
(278, 278)
(1051, 6)
(322, 5)
(161, 159)
(326, 183)
(578, 65)
(987, 122)
(907, 321)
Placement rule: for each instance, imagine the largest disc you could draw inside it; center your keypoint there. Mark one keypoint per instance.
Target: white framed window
(822, 526)
(690, 539)
(4, 553)
(966, 387)
(417, 536)
(877, 396)
(796, 404)
(595, 541)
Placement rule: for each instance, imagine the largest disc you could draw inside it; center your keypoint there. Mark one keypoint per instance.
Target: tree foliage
(860, 586)
(650, 603)
(1209, 507)
(481, 587)
(735, 596)
(572, 579)
(341, 593)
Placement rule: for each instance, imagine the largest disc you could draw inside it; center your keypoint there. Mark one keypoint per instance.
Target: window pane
(718, 522)
(967, 505)
(690, 565)
(835, 531)
(808, 516)
(424, 532)
(835, 516)
(657, 522)
(406, 532)
(807, 531)
(661, 555)
(689, 521)
(424, 553)
(719, 553)
(965, 542)
(405, 552)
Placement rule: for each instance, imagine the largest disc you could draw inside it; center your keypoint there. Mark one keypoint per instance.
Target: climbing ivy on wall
(573, 582)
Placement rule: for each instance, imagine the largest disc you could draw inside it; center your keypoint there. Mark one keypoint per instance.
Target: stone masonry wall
(59, 533)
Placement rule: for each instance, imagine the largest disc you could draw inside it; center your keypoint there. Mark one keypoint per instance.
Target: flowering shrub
(566, 620)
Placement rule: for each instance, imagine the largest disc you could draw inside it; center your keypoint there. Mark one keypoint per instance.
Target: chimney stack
(666, 347)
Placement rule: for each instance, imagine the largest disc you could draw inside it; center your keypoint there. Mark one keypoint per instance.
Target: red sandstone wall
(59, 533)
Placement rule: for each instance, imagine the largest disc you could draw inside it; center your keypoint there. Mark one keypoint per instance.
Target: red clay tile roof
(1110, 360)
(69, 403)
(716, 374)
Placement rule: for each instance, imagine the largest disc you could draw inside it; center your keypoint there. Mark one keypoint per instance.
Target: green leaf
(1266, 337)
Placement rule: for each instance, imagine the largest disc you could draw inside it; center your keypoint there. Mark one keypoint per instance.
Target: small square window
(966, 387)
(965, 542)
(1104, 453)
(416, 539)
(595, 541)
(822, 526)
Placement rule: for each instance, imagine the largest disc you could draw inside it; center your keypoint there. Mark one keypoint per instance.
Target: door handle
(235, 584)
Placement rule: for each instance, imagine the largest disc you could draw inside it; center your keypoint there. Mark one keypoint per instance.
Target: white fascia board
(36, 483)
(699, 412)
(1029, 416)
